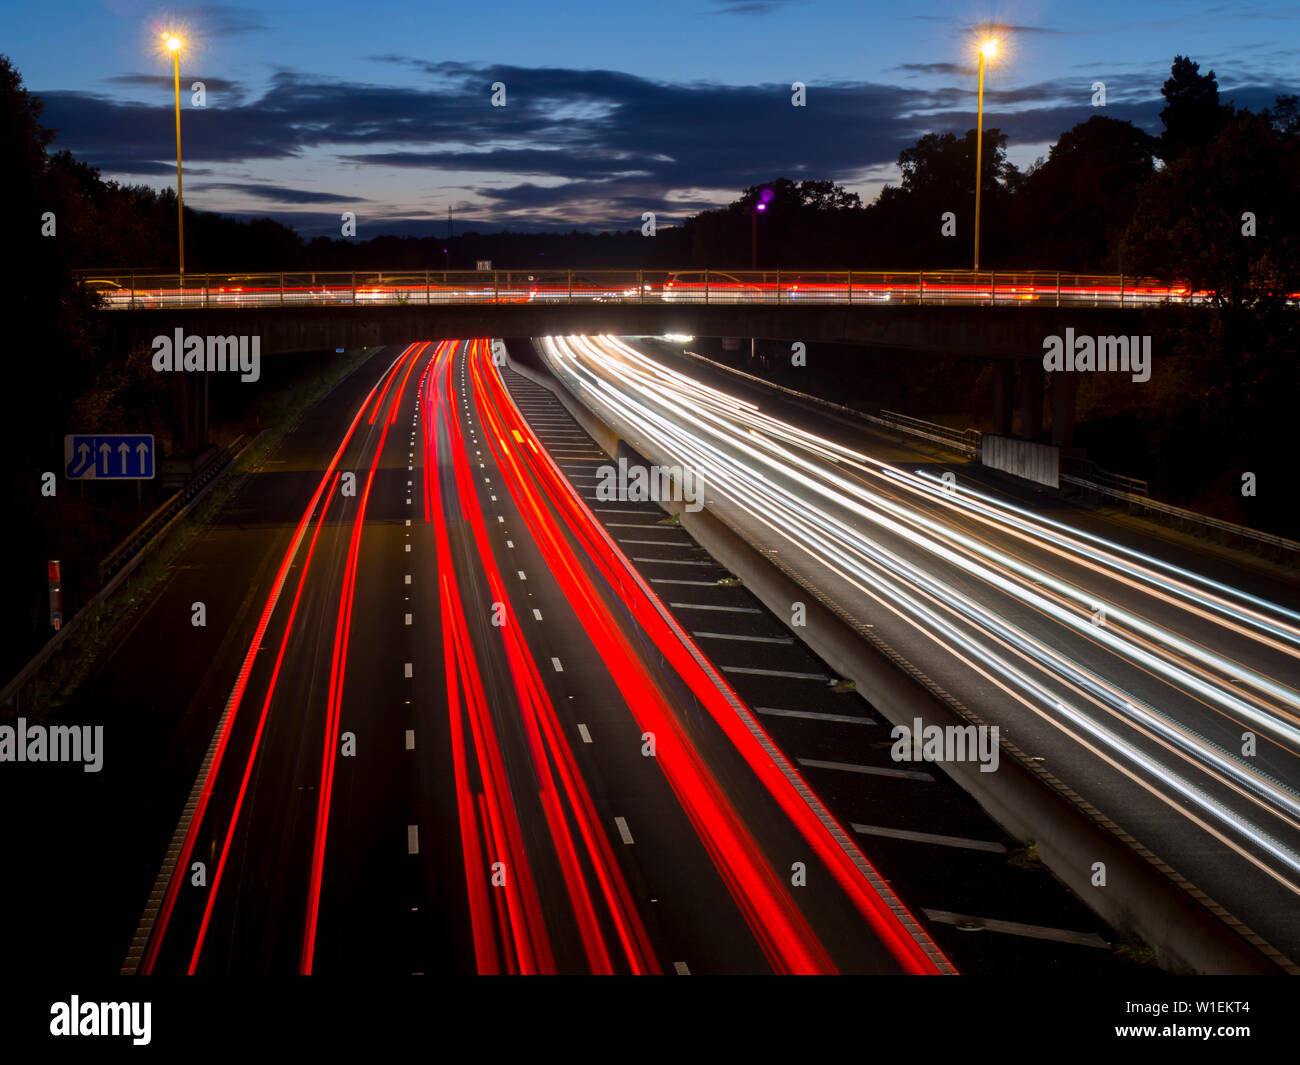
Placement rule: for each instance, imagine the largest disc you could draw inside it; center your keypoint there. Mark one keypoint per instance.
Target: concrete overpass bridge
(1004, 317)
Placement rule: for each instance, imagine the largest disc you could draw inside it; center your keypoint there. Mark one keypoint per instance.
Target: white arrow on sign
(142, 449)
(84, 449)
(105, 450)
(123, 450)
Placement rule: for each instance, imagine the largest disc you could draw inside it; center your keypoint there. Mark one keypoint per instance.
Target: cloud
(586, 147)
(751, 7)
(278, 193)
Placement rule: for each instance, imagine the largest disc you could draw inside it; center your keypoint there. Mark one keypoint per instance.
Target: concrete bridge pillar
(1064, 389)
(1031, 399)
(1003, 395)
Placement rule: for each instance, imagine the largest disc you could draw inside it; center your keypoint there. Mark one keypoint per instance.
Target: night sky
(612, 108)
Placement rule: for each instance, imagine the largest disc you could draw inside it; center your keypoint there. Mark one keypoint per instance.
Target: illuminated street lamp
(173, 44)
(988, 49)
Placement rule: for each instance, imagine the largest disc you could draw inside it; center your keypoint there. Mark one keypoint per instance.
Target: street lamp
(988, 49)
(173, 44)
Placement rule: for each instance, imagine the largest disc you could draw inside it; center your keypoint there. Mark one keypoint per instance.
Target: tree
(1192, 113)
(1074, 207)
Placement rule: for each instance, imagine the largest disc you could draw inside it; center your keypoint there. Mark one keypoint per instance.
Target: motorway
(1160, 684)
(465, 736)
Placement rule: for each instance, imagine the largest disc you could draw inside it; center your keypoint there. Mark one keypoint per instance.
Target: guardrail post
(993, 287)
(920, 287)
(496, 286)
(282, 290)
(1058, 288)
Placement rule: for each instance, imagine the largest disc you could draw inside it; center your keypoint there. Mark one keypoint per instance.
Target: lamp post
(987, 50)
(174, 46)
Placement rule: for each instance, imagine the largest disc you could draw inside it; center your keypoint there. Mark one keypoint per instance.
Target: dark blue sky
(611, 108)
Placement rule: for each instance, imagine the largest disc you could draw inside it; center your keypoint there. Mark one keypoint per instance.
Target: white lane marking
(582, 731)
(674, 561)
(494, 499)
(812, 715)
(510, 543)
(728, 609)
(676, 580)
(408, 547)
(408, 619)
(408, 521)
(410, 739)
(408, 502)
(1015, 928)
(654, 543)
(409, 668)
(776, 673)
(623, 829)
(408, 578)
(412, 839)
(930, 837)
(537, 614)
(870, 770)
(409, 483)
(500, 518)
(556, 663)
(681, 969)
(746, 639)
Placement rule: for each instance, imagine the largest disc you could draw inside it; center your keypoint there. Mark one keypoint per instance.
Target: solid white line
(1014, 928)
(672, 580)
(746, 639)
(674, 561)
(812, 715)
(870, 770)
(410, 739)
(412, 839)
(930, 837)
(582, 731)
(728, 609)
(655, 543)
(623, 829)
(776, 673)
(556, 663)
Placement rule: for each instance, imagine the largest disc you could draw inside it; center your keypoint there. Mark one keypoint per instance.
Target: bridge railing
(127, 290)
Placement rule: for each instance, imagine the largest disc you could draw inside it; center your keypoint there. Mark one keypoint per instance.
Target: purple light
(762, 207)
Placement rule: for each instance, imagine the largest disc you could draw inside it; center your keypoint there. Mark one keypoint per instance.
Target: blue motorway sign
(109, 457)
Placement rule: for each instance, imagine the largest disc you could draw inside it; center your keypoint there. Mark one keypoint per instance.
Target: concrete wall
(1034, 462)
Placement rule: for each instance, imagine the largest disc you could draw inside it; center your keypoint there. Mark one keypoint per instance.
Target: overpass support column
(1064, 388)
(1004, 371)
(1031, 399)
